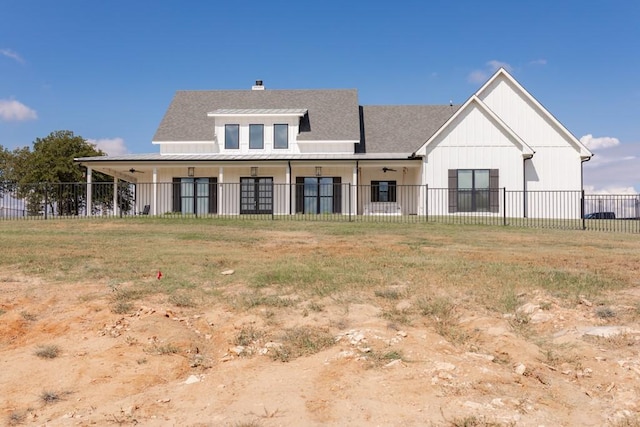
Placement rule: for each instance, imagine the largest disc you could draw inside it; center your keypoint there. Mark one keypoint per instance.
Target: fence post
(46, 201)
(426, 202)
(350, 205)
(504, 206)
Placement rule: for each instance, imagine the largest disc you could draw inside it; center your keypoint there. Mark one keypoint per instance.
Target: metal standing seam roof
(333, 115)
(258, 111)
(158, 158)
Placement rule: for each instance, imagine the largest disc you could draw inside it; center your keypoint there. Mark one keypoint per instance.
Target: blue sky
(108, 70)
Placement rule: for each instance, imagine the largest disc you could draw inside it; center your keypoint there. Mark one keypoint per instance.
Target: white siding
(556, 161)
(189, 148)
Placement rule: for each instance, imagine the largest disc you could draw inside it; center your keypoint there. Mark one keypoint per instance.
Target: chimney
(258, 85)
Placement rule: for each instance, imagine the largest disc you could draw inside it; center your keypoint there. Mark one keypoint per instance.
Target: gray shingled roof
(401, 128)
(332, 114)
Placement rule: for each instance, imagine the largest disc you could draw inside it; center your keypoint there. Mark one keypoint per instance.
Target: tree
(49, 181)
(51, 160)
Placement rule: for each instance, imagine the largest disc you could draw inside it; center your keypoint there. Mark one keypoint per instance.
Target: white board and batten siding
(556, 164)
(474, 141)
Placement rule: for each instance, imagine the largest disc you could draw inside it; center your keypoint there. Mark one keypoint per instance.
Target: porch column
(221, 206)
(89, 192)
(155, 192)
(287, 193)
(354, 191)
(422, 194)
(115, 196)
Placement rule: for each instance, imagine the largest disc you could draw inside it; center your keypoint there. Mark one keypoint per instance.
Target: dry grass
(47, 351)
(289, 265)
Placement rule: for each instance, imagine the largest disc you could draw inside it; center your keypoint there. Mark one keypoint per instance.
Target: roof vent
(258, 85)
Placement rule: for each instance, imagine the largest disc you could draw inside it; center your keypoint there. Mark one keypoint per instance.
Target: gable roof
(332, 114)
(401, 128)
(585, 153)
(525, 148)
(475, 102)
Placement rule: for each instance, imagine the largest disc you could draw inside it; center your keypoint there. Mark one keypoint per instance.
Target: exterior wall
(268, 123)
(556, 164)
(189, 148)
(407, 179)
(228, 185)
(474, 141)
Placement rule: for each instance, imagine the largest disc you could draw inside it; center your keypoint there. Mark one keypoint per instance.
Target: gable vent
(258, 85)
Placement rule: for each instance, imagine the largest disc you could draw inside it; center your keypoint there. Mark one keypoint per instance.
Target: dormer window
(256, 137)
(231, 137)
(281, 136)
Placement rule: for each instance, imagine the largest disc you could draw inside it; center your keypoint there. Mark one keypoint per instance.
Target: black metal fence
(321, 200)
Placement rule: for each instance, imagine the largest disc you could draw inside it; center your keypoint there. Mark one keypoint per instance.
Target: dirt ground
(163, 365)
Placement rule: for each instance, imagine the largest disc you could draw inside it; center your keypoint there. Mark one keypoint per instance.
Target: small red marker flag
(159, 274)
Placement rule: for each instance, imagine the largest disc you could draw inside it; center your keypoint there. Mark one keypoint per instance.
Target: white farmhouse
(294, 152)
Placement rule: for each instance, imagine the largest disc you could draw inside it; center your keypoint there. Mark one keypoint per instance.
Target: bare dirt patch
(164, 365)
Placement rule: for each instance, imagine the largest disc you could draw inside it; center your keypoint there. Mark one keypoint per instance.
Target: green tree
(51, 160)
(49, 180)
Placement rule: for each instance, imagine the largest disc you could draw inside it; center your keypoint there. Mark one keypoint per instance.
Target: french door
(256, 195)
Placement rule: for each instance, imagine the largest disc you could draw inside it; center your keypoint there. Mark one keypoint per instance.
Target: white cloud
(590, 189)
(495, 65)
(602, 142)
(12, 110)
(11, 54)
(615, 170)
(111, 146)
(540, 61)
(481, 75)
(477, 76)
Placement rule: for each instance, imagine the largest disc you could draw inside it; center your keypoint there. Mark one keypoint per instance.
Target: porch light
(318, 170)
(254, 171)
(191, 172)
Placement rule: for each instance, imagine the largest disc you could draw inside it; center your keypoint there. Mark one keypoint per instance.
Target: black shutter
(453, 190)
(299, 194)
(375, 191)
(494, 190)
(213, 195)
(177, 195)
(392, 191)
(337, 195)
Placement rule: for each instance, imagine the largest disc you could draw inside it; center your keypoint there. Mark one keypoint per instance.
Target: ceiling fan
(386, 169)
(132, 170)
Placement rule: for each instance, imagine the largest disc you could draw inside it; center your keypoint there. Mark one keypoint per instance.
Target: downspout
(582, 162)
(524, 185)
(357, 184)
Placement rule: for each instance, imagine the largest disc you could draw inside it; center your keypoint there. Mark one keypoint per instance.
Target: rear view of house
(310, 152)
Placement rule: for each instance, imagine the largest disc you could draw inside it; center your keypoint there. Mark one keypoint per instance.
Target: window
(256, 137)
(195, 195)
(281, 136)
(231, 137)
(318, 195)
(383, 191)
(473, 190)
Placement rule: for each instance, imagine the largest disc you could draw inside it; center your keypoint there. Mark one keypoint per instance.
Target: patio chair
(145, 210)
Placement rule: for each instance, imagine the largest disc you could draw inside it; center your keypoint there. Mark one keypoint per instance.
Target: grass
(490, 265)
(302, 341)
(247, 336)
(50, 396)
(605, 312)
(47, 351)
(162, 349)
